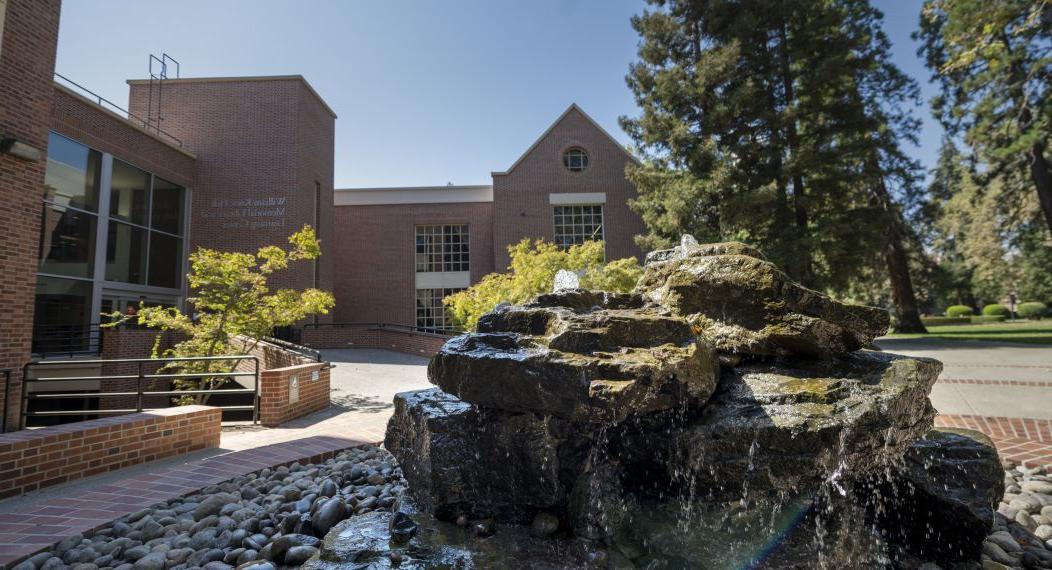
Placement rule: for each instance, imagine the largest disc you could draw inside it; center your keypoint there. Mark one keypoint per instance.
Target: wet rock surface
(773, 452)
(742, 303)
(790, 425)
(942, 498)
(580, 356)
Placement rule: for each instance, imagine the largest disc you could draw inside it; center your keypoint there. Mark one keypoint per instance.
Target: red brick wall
(423, 344)
(27, 65)
(82, 120)
(375, 256)
(260, 143)
(275, 406)
(270, 355)
(34, 459)
(521, 205)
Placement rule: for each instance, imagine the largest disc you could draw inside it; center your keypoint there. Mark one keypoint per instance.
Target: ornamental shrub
(959, 311)
(988, 319)
(1032, 310)
(995, 310)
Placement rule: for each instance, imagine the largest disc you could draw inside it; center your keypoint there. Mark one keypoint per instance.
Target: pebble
(240, 522)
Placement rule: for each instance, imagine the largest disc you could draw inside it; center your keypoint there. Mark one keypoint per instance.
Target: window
(72, 176)
(575, 159)
(442, 248)
(128, 193)
(67, 242)
(431, 314)
(577, 224)
(143, 243)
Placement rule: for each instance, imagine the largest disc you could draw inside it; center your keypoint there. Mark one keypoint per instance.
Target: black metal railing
(5, 373)
(104, 102)
(32, 370)
(386, 326)
(66, 340)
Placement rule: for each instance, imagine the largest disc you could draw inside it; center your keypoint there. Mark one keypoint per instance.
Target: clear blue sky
(427, 92)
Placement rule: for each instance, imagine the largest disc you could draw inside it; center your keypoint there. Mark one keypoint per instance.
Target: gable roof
(566, 113)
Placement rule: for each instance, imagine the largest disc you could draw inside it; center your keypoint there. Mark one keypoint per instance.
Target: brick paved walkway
(1023, 441)
(39, 526)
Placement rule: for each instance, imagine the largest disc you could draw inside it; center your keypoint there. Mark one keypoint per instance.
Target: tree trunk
(907, 316)
(801, 268)
(1039, 172)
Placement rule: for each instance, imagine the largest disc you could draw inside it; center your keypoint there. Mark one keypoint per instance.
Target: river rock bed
(1022, 534)
(266, 520)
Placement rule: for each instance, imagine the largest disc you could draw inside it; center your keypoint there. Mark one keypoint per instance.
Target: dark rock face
(744, 304)
(789, 425)
(447, 449)
(940, 504)
(579, 356)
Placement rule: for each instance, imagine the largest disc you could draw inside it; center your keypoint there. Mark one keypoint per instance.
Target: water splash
(565, 279)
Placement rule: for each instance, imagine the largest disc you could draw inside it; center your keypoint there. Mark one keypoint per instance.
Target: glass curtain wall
(125, 239)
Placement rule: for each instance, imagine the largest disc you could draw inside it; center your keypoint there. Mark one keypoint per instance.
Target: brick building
(399, 251)
(100, 206)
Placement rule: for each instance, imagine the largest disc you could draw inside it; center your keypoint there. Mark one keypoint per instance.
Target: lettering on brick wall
(294, 389)
(247, 213)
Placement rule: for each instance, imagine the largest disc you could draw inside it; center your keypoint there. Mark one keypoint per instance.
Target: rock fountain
(721, 416)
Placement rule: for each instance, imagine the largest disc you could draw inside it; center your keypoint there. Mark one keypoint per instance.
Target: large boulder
(579, 356)
(459, 459)
(940, 503)
(742, 303)
(793, 425)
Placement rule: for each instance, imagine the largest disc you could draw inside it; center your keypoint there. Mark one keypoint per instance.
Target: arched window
(575, 159)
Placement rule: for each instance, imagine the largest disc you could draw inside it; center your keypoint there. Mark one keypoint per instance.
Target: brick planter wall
(34, 459)
(423, 344)
(279, 401)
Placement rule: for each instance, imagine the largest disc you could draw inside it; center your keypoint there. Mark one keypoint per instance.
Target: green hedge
(959, 311)
(988, 319)
(939, 321)
(995, 310)
(1032, 310)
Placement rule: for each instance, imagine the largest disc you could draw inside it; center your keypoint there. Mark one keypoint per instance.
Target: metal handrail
(405, 328)
(66, 340)
(102, 102)
(140, 377)
(6, 373)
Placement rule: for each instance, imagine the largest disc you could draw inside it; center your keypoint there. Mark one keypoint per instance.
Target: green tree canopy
(993, 61)
(230, 298)
(532, 272)
(779, 124)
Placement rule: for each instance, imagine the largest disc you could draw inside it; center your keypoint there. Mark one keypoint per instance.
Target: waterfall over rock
(720, 416)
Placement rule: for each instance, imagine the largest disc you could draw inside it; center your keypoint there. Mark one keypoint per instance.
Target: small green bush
(1032, 310)
(959, 311)
(995, 310)
(988, 319)
(940, 321)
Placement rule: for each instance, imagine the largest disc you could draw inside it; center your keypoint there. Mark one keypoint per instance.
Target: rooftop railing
(104, 102)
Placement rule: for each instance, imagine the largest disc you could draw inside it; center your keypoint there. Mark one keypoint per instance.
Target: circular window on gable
(575, 159)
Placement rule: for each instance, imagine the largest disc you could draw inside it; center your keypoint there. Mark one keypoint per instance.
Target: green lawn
(1030, 332)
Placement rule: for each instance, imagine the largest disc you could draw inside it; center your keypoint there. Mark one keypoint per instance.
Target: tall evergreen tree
(777, 123)
(993, 61)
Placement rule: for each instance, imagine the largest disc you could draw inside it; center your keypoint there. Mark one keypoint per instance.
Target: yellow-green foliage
(231, 298)
(532, 271)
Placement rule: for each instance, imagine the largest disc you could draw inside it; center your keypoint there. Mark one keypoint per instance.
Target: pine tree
(778, 124)
(993, 61)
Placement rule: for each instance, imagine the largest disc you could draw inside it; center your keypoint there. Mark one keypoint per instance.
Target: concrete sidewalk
(986, 378)
(363, 382)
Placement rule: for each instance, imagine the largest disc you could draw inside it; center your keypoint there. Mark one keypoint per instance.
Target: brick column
(27, 67)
